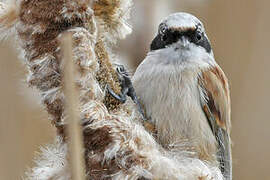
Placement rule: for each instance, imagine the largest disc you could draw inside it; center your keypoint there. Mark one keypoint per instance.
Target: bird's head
(182, 36)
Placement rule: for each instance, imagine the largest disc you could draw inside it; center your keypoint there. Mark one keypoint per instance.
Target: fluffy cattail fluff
(8, 18)
(112, 15)
(117, 146)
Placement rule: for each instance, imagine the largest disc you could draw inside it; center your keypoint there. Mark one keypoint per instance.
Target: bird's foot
(120, 97)
(126, 89)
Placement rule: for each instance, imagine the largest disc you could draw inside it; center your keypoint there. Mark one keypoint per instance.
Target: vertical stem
(75, 144)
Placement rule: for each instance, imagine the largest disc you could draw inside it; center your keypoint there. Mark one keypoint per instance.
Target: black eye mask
(169, 37)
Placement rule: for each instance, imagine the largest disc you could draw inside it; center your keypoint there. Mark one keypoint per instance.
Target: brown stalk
(75, 144)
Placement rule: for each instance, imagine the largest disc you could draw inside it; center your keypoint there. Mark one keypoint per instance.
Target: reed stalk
(75, 143)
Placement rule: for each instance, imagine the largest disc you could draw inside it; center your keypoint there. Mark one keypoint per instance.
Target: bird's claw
(120, 97)
(126, 89)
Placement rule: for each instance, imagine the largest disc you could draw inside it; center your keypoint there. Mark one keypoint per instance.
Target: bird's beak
(184, 41)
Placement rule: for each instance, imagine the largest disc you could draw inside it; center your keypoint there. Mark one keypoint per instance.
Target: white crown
(182, 21)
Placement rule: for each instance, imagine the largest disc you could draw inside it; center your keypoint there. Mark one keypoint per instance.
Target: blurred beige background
(239, 32)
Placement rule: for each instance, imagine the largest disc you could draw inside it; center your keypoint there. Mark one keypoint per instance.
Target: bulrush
(117, 146)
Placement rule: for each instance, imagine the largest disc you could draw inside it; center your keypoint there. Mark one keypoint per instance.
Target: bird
(185, 93)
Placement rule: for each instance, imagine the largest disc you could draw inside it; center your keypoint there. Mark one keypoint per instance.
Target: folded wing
(217, 108)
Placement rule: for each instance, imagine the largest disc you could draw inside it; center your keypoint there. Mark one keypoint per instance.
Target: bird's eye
(163, 32)
(198, 36)
(162, 29)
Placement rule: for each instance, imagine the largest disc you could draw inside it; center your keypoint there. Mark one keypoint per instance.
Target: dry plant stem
(71, 104)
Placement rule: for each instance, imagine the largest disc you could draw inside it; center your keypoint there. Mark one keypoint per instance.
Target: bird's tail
(224, 154)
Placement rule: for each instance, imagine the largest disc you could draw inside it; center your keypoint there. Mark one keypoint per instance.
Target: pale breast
(172, 101)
